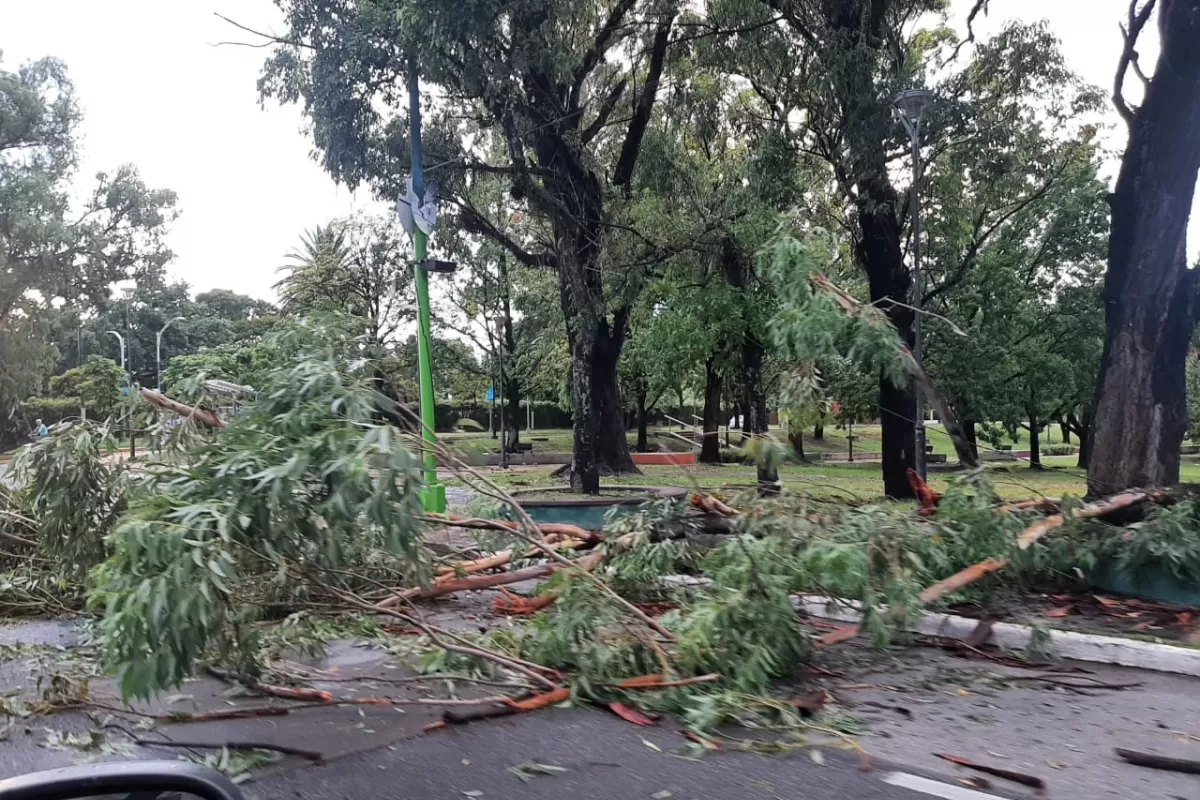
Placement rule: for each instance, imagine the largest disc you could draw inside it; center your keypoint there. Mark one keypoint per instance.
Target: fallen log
(202, 415)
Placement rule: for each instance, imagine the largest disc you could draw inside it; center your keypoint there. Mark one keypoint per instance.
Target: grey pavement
(911, 702)
(604, 759)
(920, 701)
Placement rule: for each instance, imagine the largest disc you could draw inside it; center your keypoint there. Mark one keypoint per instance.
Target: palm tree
(314, 269)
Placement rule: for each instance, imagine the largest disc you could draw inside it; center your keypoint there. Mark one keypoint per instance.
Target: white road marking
(937, 789)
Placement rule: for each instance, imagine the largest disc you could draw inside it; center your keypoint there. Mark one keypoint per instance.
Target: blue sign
(491, 394)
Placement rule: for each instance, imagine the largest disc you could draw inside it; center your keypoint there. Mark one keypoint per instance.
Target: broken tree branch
(1032, 534)
(1130, 33)
(202, 415)
(1154, 761)
(527, 524)
(311, 755)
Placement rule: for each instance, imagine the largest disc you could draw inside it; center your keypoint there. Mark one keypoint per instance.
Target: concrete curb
(1088, 647)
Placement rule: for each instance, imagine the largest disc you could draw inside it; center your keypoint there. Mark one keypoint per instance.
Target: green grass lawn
(866, 440)
(852, 482)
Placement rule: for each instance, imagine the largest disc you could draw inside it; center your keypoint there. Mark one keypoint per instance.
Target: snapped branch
(1129, 56)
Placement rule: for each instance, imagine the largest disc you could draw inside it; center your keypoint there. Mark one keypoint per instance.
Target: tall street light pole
(158, 352)
(433, 496)
(120, 339)
(910, 108)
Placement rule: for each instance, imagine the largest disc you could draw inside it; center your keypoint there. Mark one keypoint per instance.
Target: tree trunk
(612, 446)
(797, 440)
(1140, 411)
(754, 401)
(643, 414)
(1066, 432)
(1035, 445)
(599, 445)
(968, 426)
(819, 431)
(1082, 428)
(737, 269)
(510, 409)
(878, 251)
(710, 448)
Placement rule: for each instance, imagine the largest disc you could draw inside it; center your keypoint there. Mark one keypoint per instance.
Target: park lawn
(867, 439)
(849, 482)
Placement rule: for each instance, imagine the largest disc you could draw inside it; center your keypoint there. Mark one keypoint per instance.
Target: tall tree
(846, 61)
(358, 265)
(55, 253)
(1140, 412)
(566, 88)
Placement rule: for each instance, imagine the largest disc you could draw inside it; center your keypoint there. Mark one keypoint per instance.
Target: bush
(1058, 450)
(468, 424)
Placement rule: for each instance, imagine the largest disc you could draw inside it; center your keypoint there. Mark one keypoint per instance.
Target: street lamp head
(911, 104)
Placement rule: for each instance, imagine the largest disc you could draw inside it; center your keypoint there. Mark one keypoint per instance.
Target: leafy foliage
(75, 494)
(1168, 539)
(301, 486)
(744, 627)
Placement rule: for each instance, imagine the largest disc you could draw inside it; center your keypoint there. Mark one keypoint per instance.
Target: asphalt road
(603, 757)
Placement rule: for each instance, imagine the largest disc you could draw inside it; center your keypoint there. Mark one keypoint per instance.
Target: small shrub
(468, 424)
(1058, 450)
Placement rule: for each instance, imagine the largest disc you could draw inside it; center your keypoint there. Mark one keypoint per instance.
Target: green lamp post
(433, 494)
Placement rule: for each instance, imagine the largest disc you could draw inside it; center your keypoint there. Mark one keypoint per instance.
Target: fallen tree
(197, 413)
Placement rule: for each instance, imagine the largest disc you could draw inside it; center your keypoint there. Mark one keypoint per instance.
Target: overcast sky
(158, 93)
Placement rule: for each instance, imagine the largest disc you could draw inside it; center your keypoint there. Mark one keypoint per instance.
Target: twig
(1016, 777)
(1066, 684)
(1154, 761)
(311, 755)
(527, 524)
(438, 636)
(710, 678)
(441, 676)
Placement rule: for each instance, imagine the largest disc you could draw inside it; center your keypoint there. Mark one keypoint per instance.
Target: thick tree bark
(880, 255)
(819, 431)
(1065, 431)
(969, 433)
(1035, 444)
(1140, 412)
(511, 388)
(643, 415)
(1082, 428)
(710, 448)
(797, 440)
(737, 268)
